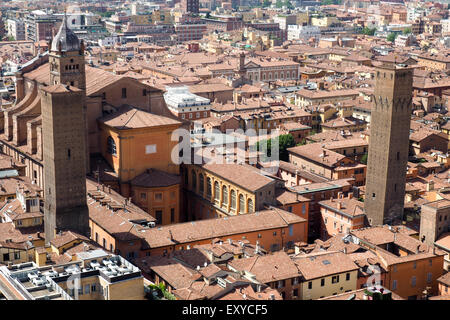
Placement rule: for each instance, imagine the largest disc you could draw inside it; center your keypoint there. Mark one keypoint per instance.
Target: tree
(406, 31)
(369, 31)
(279, 4)
(285, 141)
(266, 3)
(391, 37)
(288, 4)
(364, 159)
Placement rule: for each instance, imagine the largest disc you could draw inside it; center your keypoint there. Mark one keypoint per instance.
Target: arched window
(250, 206)
(201, 182)
(194, 180)
(225, 196)
(275, 76)
(264, 76)
(208, 188)
(270, 76)
(287, 75)
(281, 75)
(233, 199)
(111, 146)
(241, 203)
(216, 191)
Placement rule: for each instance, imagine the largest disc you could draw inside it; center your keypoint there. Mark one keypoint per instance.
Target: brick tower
(389, 144)
(64, 138)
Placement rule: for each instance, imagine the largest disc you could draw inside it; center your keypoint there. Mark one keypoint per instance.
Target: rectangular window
(291, 230)
(143, 196)
(335, 279)
(310, 285)
(87, 289)
(93, 287)
(158, 196)
(144, 92)
(151, 148)
(429, 277)
(16, 255)
(158, 216)
(322, 282)
(124, 93)
(347, 277)
(172, 215)
(394, 285)
(295, 293)
(413, 281)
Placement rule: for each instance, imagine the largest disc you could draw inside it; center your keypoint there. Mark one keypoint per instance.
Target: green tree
(288, 4)
(406, 31)
(391, 37)
(364, 159)
(279, 4)
(285, 141)
(369, 31)
(266, 3)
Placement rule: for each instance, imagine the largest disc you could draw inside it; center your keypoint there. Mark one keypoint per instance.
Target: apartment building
(412, 266)
(101, 276)
(341, 215)
(317, 192)
(316, 158)
(16, 29)
(306, 97)
(325, 274)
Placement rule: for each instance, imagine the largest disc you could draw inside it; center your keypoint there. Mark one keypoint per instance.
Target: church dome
(65, 39)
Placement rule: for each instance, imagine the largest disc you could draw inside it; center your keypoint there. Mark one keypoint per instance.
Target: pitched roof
(268, 268)
(156, 178)
(246, 177)
(320, 265)
(128, 117)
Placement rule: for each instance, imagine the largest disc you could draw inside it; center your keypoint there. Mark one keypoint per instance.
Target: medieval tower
(64, 137)
(389, 144)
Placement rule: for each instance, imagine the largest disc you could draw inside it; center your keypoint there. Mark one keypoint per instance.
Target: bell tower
(66, 59)
(64, 135)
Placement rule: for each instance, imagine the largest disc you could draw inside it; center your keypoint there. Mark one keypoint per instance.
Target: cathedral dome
(65, 39)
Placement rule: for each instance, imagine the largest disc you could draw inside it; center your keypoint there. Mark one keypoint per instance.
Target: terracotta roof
(321, 265)
(351, 207)
(244, 176)
(316, 153)
(156, 178)
(445, 279)
(269, 268)
(217, 228)
(65, 237)
(128, 117)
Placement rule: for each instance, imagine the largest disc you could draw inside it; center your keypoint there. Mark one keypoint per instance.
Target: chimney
(331, 199)
(340, 195)
(350, 195)
(103, 187)
(339, 205)
(109, 189)
(345, 250)
(430, 185)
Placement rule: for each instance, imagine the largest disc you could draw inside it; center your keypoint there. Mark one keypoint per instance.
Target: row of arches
(225, 197)
(274, 75)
